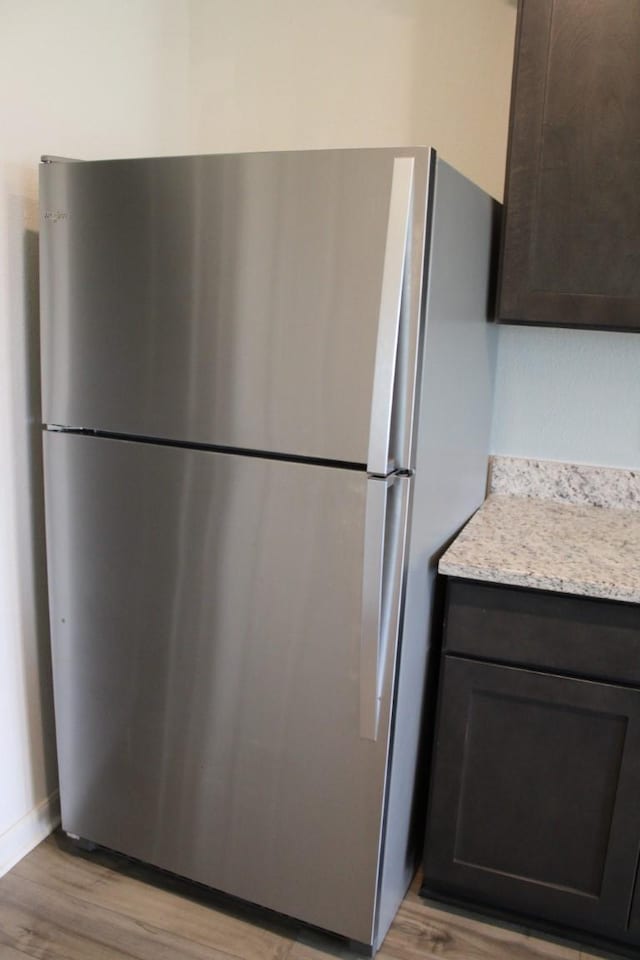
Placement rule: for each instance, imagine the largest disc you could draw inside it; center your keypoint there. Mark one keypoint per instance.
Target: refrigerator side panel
(206, 628)
(229, 300)
(453, 436)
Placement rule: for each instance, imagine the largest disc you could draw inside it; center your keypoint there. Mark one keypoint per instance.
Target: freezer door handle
(384, 548)
(395, 255)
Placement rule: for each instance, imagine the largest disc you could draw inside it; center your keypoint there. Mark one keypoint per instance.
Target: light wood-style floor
(59, 904)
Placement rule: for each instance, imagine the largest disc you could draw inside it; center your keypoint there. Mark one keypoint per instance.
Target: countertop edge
(533, 582)
(539, 544)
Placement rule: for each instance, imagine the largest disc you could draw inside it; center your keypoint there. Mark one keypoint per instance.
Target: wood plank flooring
(61, 904)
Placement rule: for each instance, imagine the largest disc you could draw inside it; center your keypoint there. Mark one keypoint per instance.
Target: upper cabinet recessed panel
(571, 243)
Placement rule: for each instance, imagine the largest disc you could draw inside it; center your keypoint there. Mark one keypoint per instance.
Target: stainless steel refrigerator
(267, 387)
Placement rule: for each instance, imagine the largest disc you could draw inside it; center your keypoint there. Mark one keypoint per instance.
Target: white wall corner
(28, 832)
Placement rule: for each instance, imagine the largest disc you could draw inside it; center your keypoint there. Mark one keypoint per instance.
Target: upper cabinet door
(233, 300)
(571, 242)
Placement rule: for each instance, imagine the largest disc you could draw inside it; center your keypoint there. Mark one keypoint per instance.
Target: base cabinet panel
(534, 795)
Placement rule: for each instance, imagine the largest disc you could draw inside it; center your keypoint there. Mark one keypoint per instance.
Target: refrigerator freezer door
(206, 627)
(234, 300)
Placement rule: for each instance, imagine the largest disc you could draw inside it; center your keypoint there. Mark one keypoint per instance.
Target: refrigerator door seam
(210, 447)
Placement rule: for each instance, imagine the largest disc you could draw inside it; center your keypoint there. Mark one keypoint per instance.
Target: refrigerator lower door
(207, 623)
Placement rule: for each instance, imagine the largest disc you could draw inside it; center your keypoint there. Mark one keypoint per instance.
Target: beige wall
(81, 78)
(86, 78)
(287, 74)
(464, 84)
(90, 78)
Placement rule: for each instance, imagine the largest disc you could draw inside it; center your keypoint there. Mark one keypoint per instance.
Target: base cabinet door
(534, 797)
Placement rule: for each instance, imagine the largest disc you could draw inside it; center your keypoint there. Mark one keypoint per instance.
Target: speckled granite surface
(566, 482)
(585, 550)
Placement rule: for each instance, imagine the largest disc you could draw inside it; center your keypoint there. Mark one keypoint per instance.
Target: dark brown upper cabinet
(571, 238)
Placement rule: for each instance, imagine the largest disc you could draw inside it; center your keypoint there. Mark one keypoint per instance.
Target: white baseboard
(28, 832)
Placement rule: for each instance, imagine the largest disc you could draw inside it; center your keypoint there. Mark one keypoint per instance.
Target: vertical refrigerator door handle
(384, 542)
(389, 317)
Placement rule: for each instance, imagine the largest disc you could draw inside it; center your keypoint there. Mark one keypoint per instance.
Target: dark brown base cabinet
(535, 793)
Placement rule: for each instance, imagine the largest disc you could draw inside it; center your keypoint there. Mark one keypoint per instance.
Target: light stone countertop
(521, 541)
